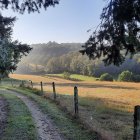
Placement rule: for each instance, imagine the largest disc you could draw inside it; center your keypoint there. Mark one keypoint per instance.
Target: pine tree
(10, 51)
(118, 34)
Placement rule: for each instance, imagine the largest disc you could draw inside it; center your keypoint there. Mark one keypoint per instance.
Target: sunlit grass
(75, 76)
(120, 93)
(82, 77)
(108, 106)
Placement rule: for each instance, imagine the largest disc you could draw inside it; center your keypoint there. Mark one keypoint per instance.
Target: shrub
(66, 75)
(106, 77)
(136, 78)
(126, 76)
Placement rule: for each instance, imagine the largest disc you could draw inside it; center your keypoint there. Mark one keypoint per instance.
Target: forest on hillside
(53, 57)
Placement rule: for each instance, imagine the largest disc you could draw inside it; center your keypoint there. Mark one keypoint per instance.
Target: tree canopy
(29, 5)
(118, 34)
(10, 51)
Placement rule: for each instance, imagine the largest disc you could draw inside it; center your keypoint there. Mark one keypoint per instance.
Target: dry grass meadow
(105, 107)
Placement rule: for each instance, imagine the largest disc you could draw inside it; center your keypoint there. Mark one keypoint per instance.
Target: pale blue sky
(67, 22)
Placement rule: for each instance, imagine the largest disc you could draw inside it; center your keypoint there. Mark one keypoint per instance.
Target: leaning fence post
(76, 100)
(54, 92)
(136, 123)
(41, 87)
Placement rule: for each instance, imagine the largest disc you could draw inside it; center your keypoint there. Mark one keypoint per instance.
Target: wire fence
(90, 115)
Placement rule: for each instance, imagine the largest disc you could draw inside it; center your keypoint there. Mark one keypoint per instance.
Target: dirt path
(3, 114)
(45, 127)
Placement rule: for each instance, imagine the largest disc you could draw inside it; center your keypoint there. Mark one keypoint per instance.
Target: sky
(64, 23)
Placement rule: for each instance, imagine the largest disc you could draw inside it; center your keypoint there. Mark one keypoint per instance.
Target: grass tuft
(20, 125)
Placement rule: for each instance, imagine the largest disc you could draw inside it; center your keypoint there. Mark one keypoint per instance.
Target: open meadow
(105, 107)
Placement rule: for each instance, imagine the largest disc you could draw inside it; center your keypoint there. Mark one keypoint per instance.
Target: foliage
(117, 33)
(106, 77)
(10, 55)
(10, 51)
(6, 24)
(66, 75)
(29, 5)
(126, 76)
(136, 78)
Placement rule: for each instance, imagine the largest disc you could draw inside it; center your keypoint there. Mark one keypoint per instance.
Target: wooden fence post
(54, 92)
(76, 100)
(136, 123)
(41, 87)
(31, 84)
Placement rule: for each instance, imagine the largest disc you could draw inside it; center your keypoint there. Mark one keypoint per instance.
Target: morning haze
(69, 70)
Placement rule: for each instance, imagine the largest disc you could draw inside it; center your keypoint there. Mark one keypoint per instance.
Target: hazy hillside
(57, 58)
(41, 54)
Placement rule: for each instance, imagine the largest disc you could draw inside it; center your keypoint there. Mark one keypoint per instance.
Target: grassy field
(74, 76)
(106, 107)
(20, 124)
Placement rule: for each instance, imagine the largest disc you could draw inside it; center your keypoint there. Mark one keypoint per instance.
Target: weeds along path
(3, 114)
(45, 127)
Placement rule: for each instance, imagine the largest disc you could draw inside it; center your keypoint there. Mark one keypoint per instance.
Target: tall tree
(118, 34)
(12, 51)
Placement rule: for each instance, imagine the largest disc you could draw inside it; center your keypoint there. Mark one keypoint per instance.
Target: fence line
(136, 135)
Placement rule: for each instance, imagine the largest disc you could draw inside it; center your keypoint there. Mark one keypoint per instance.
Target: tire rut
(45, 127)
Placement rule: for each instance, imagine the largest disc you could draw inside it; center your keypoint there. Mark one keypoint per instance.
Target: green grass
(20, 125)
(10, 82)
(69, 127)
(75, 76)
(83, 77)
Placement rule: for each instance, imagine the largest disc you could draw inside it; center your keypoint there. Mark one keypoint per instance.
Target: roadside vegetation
(20, 125)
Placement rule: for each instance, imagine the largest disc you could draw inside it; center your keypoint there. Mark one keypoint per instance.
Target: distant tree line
(76, 63)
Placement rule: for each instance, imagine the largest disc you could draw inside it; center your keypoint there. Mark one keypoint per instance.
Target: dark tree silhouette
(118, 34)
(6, 24)
(29, 5)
